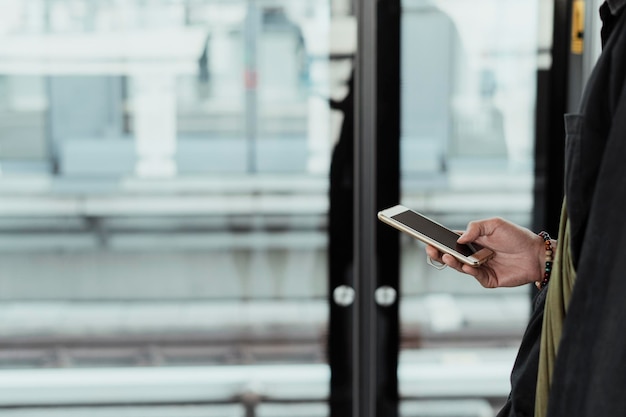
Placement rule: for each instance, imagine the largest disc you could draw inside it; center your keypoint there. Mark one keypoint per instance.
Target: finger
(478, 273)
(475, 271)
(483, 274)
(452, 262)
(433, 253)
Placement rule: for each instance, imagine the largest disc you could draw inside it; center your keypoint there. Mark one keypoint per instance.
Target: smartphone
(433, 233)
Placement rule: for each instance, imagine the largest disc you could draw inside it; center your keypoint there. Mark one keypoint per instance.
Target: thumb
(474, 230)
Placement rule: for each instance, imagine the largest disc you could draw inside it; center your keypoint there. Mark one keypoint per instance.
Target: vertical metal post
(251, 33)
(365, 176)
(365, 330)
(553, 100)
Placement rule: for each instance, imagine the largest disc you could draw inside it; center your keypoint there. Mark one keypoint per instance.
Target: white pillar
(154, 110)
(317, 34)
(319, 136)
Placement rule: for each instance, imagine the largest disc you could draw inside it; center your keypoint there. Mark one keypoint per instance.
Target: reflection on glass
(164, 173)
(173, 86)
(164, 179)
(468, 74)
(468, 100)
(468, 95)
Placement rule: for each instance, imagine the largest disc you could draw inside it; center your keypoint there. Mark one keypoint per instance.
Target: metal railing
(429, 380)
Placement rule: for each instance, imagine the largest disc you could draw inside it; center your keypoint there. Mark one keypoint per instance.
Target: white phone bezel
(386, 216)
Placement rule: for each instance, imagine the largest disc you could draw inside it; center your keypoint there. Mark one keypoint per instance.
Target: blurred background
(164, 192)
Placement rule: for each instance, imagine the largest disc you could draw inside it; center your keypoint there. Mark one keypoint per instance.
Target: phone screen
(435, 231)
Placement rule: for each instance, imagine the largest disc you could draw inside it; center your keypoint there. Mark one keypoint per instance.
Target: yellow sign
(578, 26)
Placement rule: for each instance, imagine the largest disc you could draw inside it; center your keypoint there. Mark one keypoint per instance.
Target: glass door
(469, 84)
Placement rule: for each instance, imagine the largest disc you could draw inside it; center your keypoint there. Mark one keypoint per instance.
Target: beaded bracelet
(549, 259)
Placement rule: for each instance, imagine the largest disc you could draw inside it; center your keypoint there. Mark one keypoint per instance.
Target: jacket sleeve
(521, 400)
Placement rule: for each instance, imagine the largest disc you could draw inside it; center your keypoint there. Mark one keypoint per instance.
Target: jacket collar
(616, 5)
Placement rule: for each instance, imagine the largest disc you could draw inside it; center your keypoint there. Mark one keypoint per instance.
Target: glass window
(164, 179)
(468, 102)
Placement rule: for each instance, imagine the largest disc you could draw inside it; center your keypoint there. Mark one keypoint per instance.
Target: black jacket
(590, 373)
(521, 401)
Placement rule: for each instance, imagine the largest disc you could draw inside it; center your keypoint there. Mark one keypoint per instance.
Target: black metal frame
(553, 101)
(363, 254)
(365, 364)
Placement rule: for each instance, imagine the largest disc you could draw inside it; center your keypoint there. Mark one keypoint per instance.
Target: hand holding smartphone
(433, 233)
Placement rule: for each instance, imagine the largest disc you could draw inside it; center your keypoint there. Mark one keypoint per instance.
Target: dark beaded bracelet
(549, 259)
